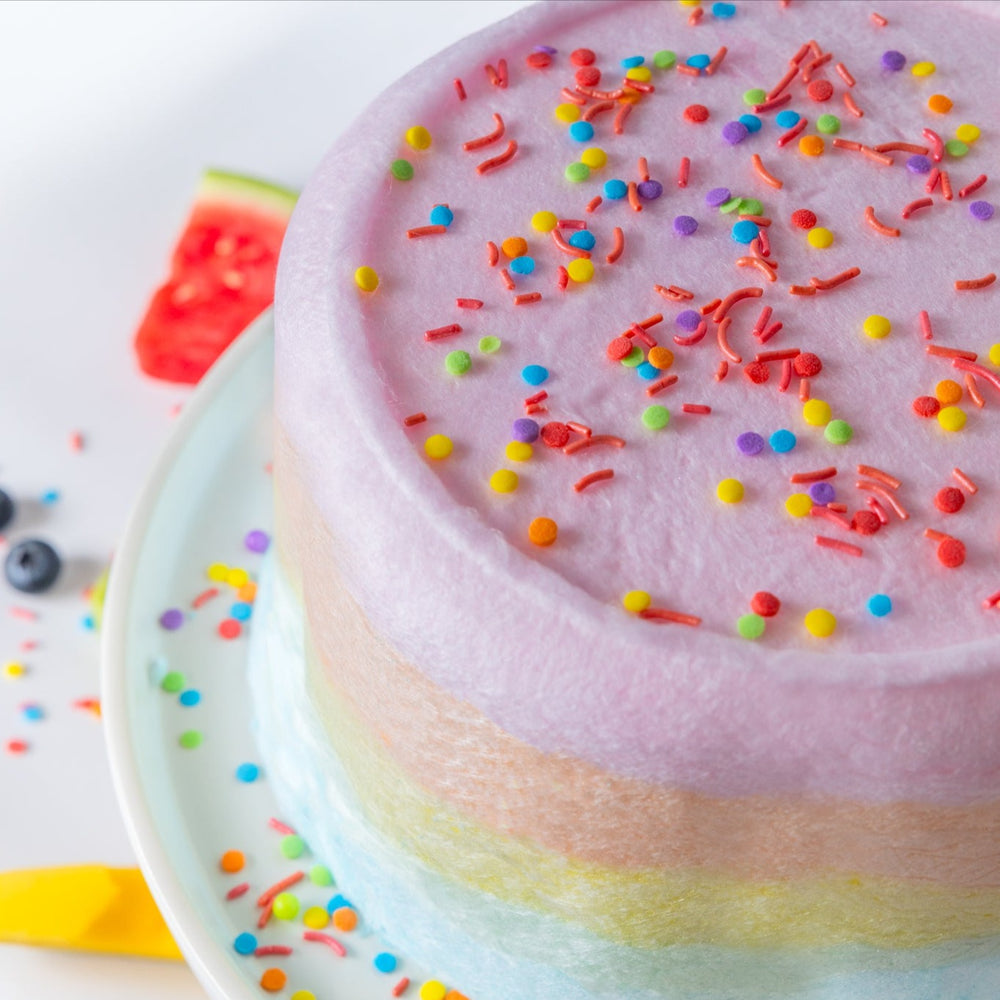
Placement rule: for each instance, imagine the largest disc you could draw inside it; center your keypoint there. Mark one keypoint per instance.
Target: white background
(108, 114)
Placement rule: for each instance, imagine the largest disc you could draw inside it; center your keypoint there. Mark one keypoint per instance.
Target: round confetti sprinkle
(949, 500)
(951, 418)
(649, 190)
(286, 906)
(190, 698)
(232, 861)
(522, 265)
(765, 604)
(718, 196)
(745, 231)
(534, 374)
(402, 170)
(696, 113)
(292, 846)
(939, 104)
(926, 406)
(734, 132)
(489, 344)
(631, 62)
(822, 492)
(503, 481)
(172, 619)
(664, 59)
(366, 279)
(217, 572)
(172, 682)
(951, 553)
(685, 225)
(229, 628)
(17, 746)
(190, 740)
(32, 713)
(538, 59)
(514, 246)
(755, 95)
(433, 990)
(241, 611)
(729, 491)
(955, 147)
(583, 239)
(947, 392)
(518, 451)
(655, 417)
(316, 918)
(661, 357)
(807, 365)
(594, 158)
(580, 270)
(245, 944)
(750, 443)
(819, 90)
(615, 189)
(544, 222)
(877, 327)
(524, 429)
(865, 522)
(816, 412)
(723, 10)
(582, 57)
(588, 76)
(879, 605)
(236, 577)
(256, 541)
(247, 772)
(811, 145)
(688, 319)
(751, 206)
(273, 980)
(893, 61)
(750, 626)
(982, 210)
(384, 961)
(543, 531)
(636, 601)
(577, 172)
(968, 133)
(751, 122)
(782, 441)
(787, 119)
(555, 434)
(838, 432)
(799, 504)
(567, 113)
(923, 68)
(820, 623)
(919, 164)
(441, 215)
(757, 372)
(417, 137)
(12, 671)
(345, 918)
(619, 348)
(320, 875)
(646, 371)
(820, 238)
(303, 995)
(699, 61)
(802, 218)
(581, 131)
(438, 446)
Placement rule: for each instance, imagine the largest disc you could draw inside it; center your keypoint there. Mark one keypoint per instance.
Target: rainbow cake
(634, 625)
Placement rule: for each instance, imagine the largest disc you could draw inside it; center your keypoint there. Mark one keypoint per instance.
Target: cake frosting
(516, 778)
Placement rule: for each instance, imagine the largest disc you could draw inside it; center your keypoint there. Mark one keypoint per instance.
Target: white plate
(185, 807)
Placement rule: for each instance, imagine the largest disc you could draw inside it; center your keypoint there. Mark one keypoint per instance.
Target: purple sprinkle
(750, 443)
(649, 190)
(734, 132)
(717, 196)
(688, 320)
(524, 429)
(257, 541)
(822, 493)
(685, 225)
(547, 49)
(981, 210)
(893, 61)
(918, 165)
(172, 619)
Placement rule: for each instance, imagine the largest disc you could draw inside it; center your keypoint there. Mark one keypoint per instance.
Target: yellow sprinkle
(217, 572)
(518, 451)
(967, 133)
(923, 68)
(820, 237)
(418, 137)
(366, 279)
(438, 446)
(567, 113)
(303, 995)
(640, 73)
(799, 504)
(877, 327)
(595, 157)
(316, 917)
(236, 577)
(433, 990)
(948, 392)
(820, 622)
(816, 413)
(951, 418)
(729, 491)
(689, 3)
(544, 222)
(503, 481)
(636, 601)
(13, 670)
(581, 270)
(994, 355)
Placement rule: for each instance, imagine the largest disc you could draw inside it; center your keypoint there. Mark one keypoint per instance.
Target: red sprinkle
(619, 348)
(400, 988)
(949, 500)
(803, 218)
(660, 385)
(230, 628)
(592, 477)
(485, 140)
(696, 408)
(684, 170)
(537, 397)
(588, 76)
(820, 90)
(926, 406)
(459, 89)
(765, 604)
(973, 186)
(331, 942)
(272, 949)
(238, 890)
(665, 615)
(925, 324)
(757, 372)
(555, 434)
(696, 114)
(807, 365)
(582, 57)
(970, 486)
(836, 543)
(538, 60)
(866, 522)
(813, 477)
(527, 298)
(442, 331)
(951, 553)
(267, 896)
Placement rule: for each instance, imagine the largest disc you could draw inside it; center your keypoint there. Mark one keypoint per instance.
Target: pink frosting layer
(904, 707)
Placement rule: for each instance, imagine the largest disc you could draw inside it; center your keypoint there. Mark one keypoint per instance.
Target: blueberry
(32, 566)
(6, 510)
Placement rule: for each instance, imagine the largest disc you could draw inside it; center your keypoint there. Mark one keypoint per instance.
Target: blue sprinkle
(241, 611)
(581, 131)
(189, 698)
(441, 215)
(245, 944)
(534, 374)
(782, 441)
(879, 605)
(50, 496)
(787, 119)
(699, 61)
(87, 621)
(647, 371)
(33, 713)
(522, 265)
(632, 61)
(384, 962)
(247, 772)
(745, 231)
(723, 10)
(750, 122)
(336, 902)
(583, 239)
(615, 189)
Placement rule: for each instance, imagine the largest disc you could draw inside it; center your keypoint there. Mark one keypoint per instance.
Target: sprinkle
(636, 601)
(967, 366)
(792, 133)
(763, 172)
(951, 418)
(721, 337)
(699, 333)
(750, 443)
(992, 601)
(949, 500)
(926, 406)
(893, 61)
(981, 210)
(924, 68)
(591, 478)
(665, 615)
(504, 481)
(925, 324)
(852, 106)
(331, 942)
(820, 622)
(683, 171)
(498, 161)
(438, 446)
(876, 327)
(966, 286)
(799, 504)
(782, 441)
(877, 474)
(879, 605)
(272, 949)
(844, 74)
(412, 234)
(590, 439)
(879, 227)
(527, 298)
(744, 231)
(400, 988)
(950, 352)
(580, 271)
(880, 491)
(838, 432)
(750, 626)
(723, 370)
(916, 205)
(442, 331)
(972, 388)
(813, 477)
(757, 372)
(401, 169)
(685, 225)
(820, 238)
(841, 546)
(459, 89)
(235, 893)
(771, 103)
(696, 408)
(493, 253)
(836, 280)
(618, 245)
(965, 481)
(663, 383)
(973, 186)
(948, 391)
(950, 551)
(749, 292)
(729, 491)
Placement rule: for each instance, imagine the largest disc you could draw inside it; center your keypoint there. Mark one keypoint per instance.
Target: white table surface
(108, 113)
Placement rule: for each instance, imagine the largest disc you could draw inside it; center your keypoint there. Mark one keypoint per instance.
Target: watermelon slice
(221, 276)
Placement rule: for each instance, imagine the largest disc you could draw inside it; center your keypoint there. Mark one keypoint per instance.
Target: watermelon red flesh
(221, 276)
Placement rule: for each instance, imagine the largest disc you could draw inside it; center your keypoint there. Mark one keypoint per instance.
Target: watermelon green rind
(220, 185)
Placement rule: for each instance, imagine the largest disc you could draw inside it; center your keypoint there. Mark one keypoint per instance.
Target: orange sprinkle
(469, 303)
(619, 123)
(883, 477)
(493, 253)
(901, 147)
(948, 392)
(710, 307)
(247, 592)
(946, 186)
(965, 480)
(413, 234)
(761, 266)
(643, 169)
(936, 536)
(592, 440)
(694, 338)
(879, 227)
(750, 292)
(876, 156)
(485, 140)
(593, 477)
(443, 331)
(813, 477)
(267, 896)
(721, 337)
(633, 196)
(593, 203)
(795, 130)
(618, 245)
(801, 290)
(840, 546)
(916, 206)
(722, 371)
(847, 144)
(696, 408)
(852, 106)
(665, 615)
(273, 980)
(568, 248)
(771, 103)
(265, 915)
(660, 385)
(345, 918)
(573, 97)
(543, 532)
(969, 286)
(507, 280)
(834, 517)
(759, 220)
(595, 109)
(232, 861)
(764, 174)
(804, 390)
(780, 86)
(950, 352)
(716, 61)
(498, 161)
(889, 498)
(844, 74)
(811, 145)
(878, 20)
(939, 104)
(527, 298)
(972, 388)
(696, 15)
(837, 279)
(674, 293)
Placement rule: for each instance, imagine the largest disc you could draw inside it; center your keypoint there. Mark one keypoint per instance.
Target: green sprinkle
(402, 170)
(750, 626)
(292, 846)
(172, 682)
(730, 206)
(457, 362)
(191, 739)
(755, 95)
(656, 417)
(830, 124)
(838, 432)
(956, 147)
(577, 172)
(286, 906)
(320, 875)
(751, 206)
(634, 358)
(489, 345)
(664, 59)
